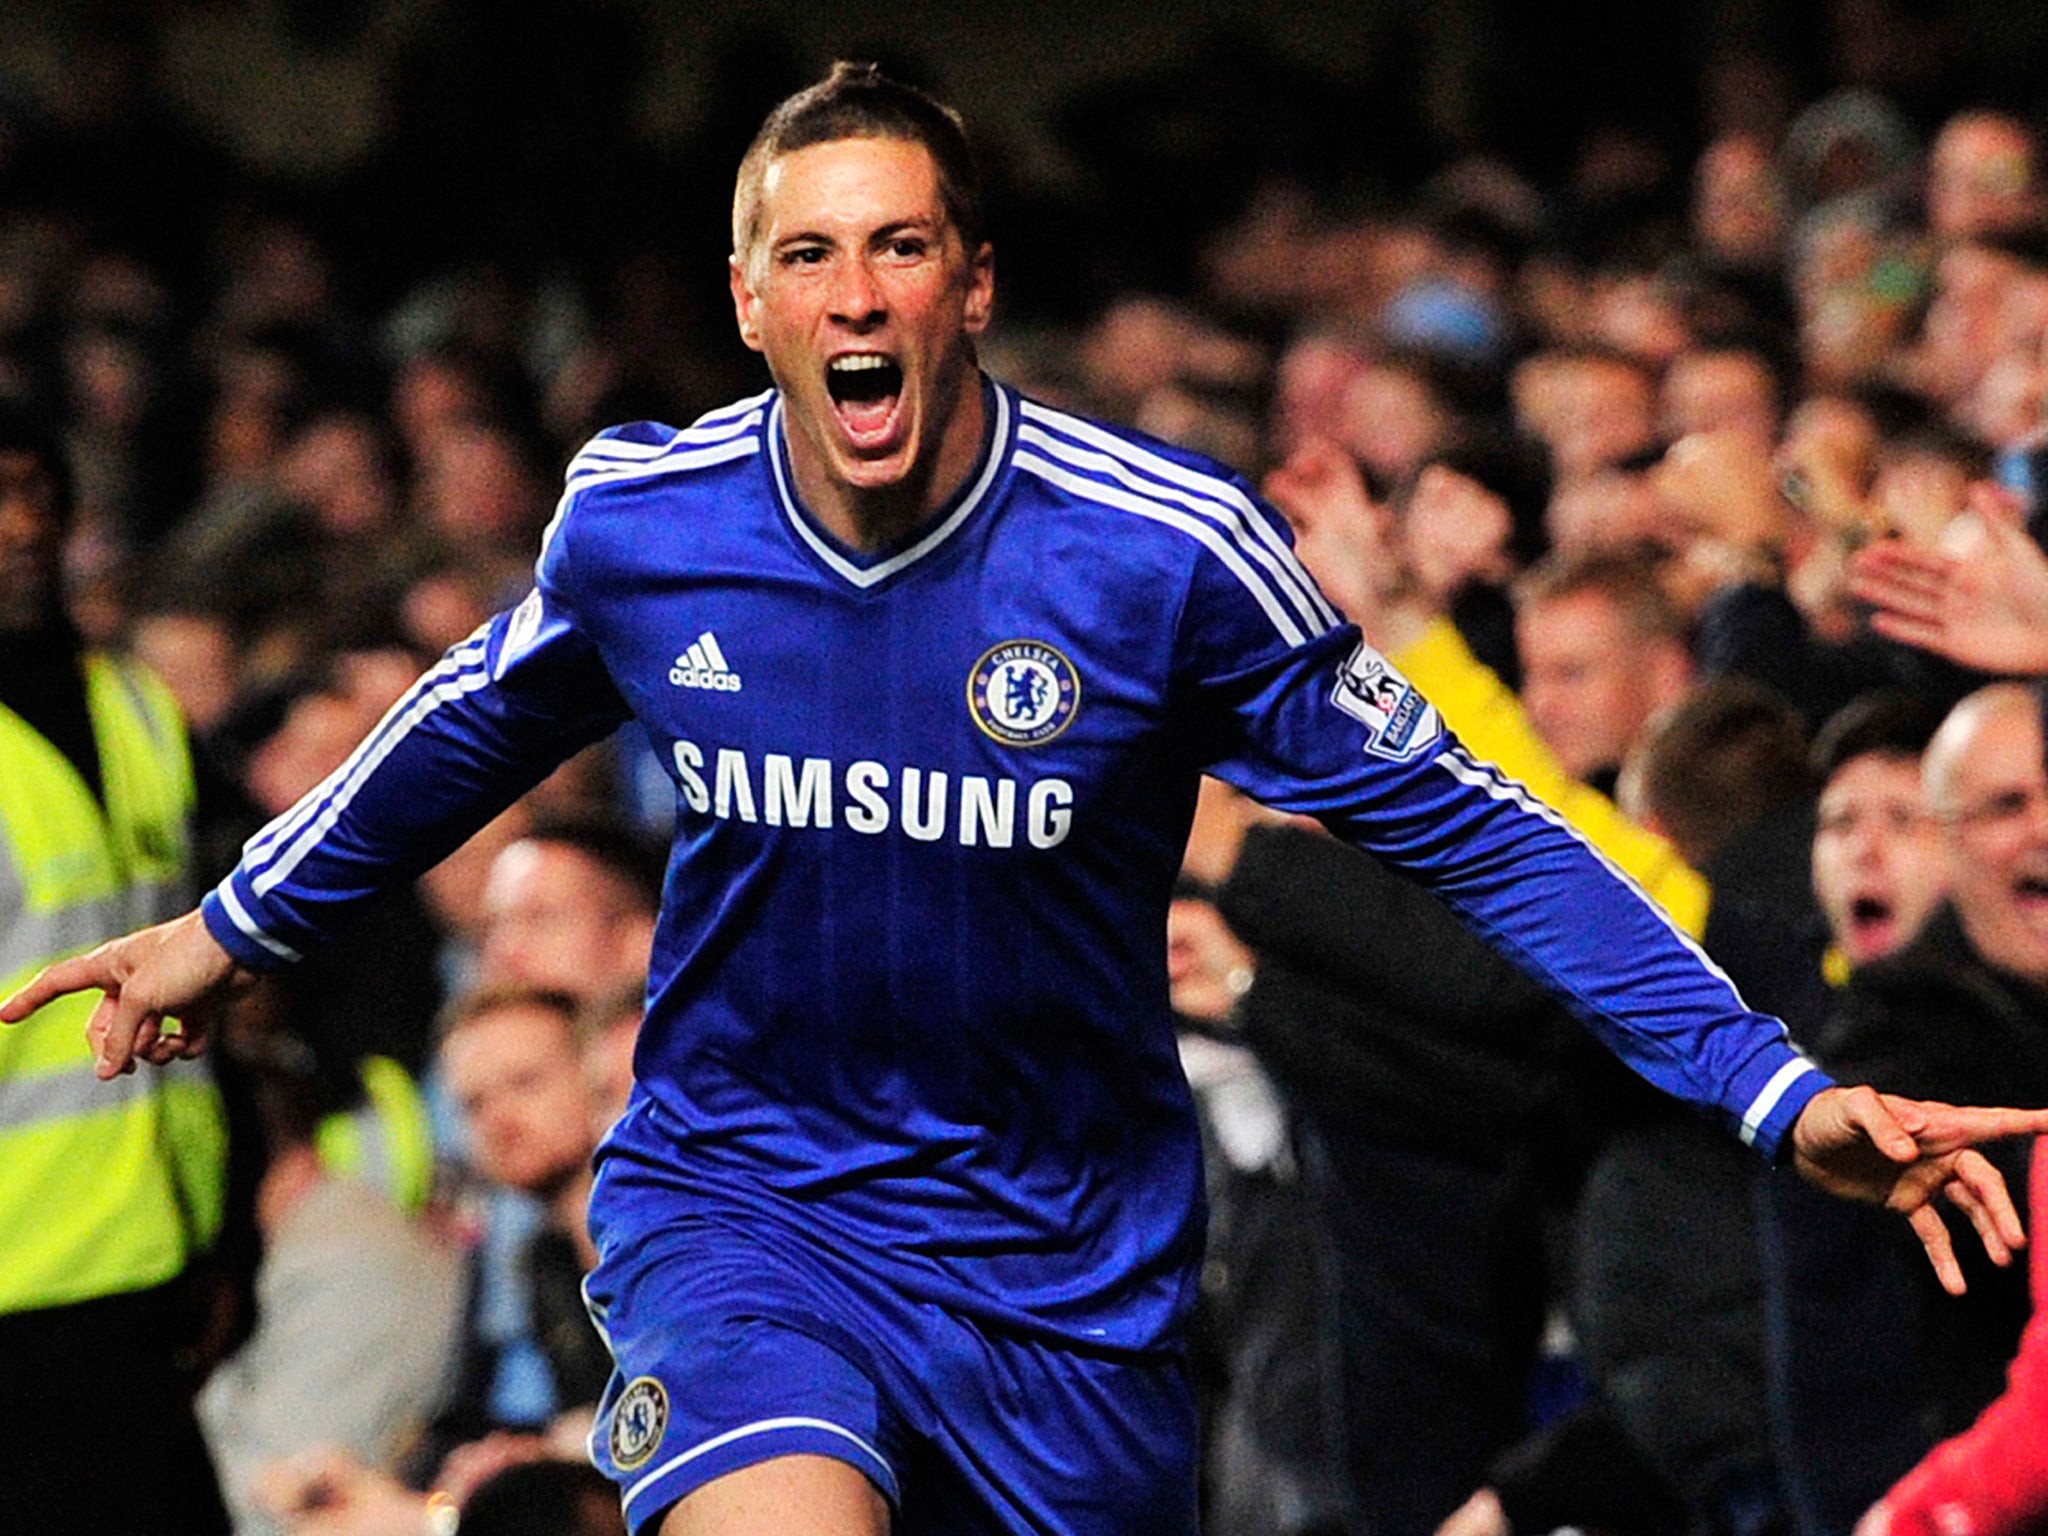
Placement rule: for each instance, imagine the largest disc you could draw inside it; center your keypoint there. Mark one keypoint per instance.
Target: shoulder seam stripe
(1203, 532)
(685, 437)
(1161, 468)
(365, 763)
(1288, 576)
(587, 472)
(734, 408)
(281, 827)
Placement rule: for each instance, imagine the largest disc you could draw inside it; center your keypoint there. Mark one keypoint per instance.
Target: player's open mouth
(2032, 891)
(866, 388)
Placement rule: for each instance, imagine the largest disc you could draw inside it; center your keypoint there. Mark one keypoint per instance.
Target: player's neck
(869, 518)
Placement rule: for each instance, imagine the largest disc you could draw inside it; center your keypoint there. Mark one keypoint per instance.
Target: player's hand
(1980, 598)
(1901, 1153)
(161, 985)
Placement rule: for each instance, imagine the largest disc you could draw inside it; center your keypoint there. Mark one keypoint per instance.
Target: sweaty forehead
(850, 181)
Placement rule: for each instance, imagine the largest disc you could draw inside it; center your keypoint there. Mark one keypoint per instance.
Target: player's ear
(981, 289)
(746, 304)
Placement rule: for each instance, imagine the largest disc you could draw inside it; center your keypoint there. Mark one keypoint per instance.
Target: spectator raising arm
(1980, 600)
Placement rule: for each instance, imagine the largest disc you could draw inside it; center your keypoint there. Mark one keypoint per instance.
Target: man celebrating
(901, 1227)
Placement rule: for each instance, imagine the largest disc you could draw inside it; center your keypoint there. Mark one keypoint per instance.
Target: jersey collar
(865, 570)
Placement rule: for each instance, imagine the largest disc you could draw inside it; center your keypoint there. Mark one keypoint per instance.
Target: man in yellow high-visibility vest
(107, 1190)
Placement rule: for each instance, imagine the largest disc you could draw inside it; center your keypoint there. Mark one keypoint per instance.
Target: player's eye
(908, 247)
(803, 256)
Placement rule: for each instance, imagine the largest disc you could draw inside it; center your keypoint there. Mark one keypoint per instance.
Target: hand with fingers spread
(1980, 598)
(1901, 1153)
(160, 986)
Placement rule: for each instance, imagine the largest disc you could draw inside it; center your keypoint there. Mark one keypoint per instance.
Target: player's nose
(857, 300)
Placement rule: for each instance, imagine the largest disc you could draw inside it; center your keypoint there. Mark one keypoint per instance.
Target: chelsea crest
(639, 1420)
(1023, 693)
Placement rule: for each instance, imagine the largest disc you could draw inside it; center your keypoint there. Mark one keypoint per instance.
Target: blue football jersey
(908, 995)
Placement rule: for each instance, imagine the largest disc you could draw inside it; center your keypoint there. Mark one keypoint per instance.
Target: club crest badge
(1023, 693)
(639, 1420)
(1398, 721)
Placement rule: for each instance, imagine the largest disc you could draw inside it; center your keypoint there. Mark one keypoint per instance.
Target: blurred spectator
(570, 907)
(529, 1354)
(1591, 409)
(1721, 388)
(1714, 765)
(358, 1306)
(1470, 519)
(609, 1029)
(109, 1202)
(1273, 1458)
(1602, 653)
(1983, 178)
(1738, 211)
(1959, 1005)
(1991, 1480)
(329, 1493)
(1879, 867)
(1834, 1280)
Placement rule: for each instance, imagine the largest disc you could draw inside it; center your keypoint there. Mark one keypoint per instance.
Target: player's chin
(872, 463)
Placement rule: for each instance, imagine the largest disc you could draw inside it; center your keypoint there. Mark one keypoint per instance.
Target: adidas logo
(703, 666)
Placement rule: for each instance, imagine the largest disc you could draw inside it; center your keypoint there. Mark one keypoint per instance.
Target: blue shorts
(735, 1343)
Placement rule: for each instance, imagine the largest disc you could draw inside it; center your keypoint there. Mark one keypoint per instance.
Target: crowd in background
(1595, 458)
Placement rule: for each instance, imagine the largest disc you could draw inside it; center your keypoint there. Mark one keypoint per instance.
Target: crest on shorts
(1398, 721)
(1023, 692)
(639, 1420)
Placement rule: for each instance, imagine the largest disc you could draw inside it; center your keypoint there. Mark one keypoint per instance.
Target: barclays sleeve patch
(1399, 722)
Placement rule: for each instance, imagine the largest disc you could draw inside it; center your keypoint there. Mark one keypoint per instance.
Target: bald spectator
(570, 907)
(1603, 651)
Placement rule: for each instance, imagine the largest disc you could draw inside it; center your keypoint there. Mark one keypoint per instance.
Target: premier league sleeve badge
(1398, 721)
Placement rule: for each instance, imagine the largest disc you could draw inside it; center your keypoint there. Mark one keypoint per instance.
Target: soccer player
(901, 1227)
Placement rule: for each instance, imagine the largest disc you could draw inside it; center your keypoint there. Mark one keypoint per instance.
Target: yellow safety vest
(104, 1187)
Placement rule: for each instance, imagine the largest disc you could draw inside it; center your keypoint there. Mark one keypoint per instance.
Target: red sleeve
(1992, 1479)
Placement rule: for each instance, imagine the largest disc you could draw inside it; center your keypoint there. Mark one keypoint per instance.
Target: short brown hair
(1727, 755)
(481, 1002)
(857, 101)
(1629, 579)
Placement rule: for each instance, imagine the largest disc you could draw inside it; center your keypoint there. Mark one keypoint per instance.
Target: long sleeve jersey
(908, 994)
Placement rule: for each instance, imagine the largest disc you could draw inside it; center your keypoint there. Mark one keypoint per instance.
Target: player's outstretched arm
(1901, 1153)
(160, 985)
